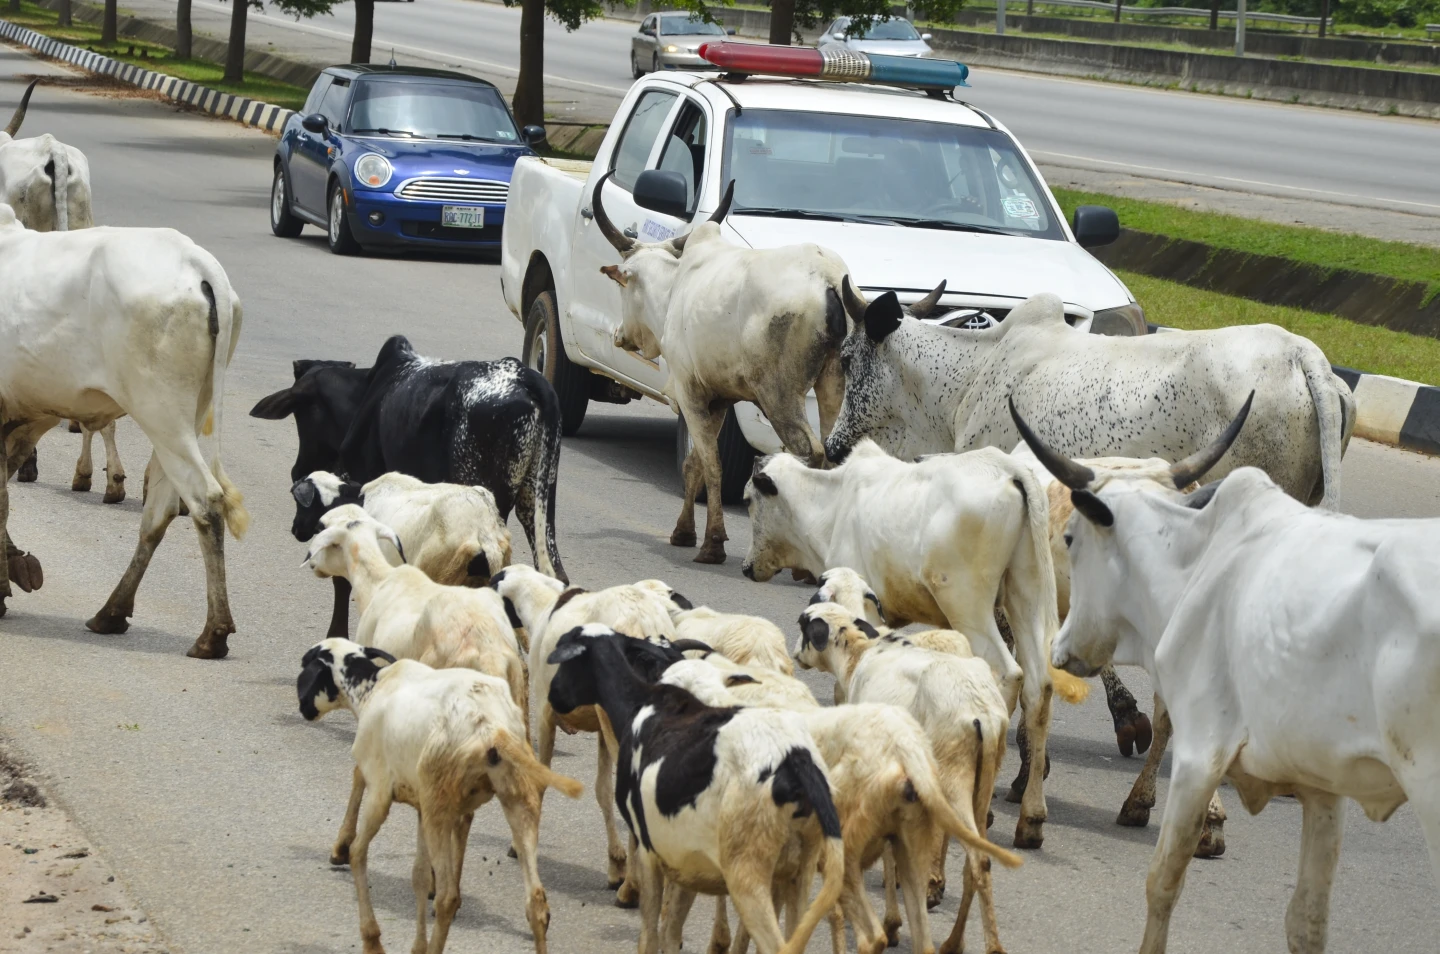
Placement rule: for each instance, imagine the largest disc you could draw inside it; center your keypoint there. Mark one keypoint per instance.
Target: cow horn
(19, 116)
(1072, 475)
(622, 243)
(723, 209)
(1186, 472)
(855, 303)
(924, 306)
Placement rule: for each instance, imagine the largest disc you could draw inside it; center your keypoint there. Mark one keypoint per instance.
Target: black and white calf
(712, 795)
(493, 424)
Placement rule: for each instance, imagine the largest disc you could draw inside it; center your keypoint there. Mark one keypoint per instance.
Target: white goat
(749, 640)
(445, 741)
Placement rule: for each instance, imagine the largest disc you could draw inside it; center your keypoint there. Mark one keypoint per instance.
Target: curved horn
(924, 306)
(1186, 472)
(19, 116)
(718, 216)
(1072, 475)
(855, 303)
(622, 243)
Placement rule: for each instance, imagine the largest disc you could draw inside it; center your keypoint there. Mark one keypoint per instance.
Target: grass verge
(1366, 348)
(153, 56)
(1329, 250)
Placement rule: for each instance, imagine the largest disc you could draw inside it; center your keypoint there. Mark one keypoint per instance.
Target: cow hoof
(114, 495)
(511, 853)
(713, 553)
(989, 820)
(75, 428)
(109, 624)
(1134, 815)
(934, 894)
(1212, 841)
(212, 644)
(80, 485)
(1133, 734)
(1029, 834)
(892, 933)
(682, 538)
(25, 572)
(2, 607)
(29, 472)
(1017, 788)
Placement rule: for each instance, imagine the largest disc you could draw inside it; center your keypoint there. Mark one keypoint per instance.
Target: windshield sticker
(759, 149)
(1020, 207)
(506, 134)
(655, 231)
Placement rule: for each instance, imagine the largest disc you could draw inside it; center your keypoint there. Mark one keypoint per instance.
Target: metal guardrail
(1432, 28)
(1188, 12)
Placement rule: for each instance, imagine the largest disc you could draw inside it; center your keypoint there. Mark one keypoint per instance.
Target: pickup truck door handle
(630, 232)
(585, 213)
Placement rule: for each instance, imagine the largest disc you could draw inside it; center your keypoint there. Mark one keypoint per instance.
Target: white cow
(104, 322)
(734, 324)
(918, 388)
(943, 542)
(1298, 652)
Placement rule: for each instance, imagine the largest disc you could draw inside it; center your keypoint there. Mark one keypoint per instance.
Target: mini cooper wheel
(282, 221)
(342, 240)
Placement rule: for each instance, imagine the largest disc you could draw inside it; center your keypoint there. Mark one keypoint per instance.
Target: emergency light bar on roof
(836, 64)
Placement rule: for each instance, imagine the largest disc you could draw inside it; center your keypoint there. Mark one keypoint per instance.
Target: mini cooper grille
(454, 190)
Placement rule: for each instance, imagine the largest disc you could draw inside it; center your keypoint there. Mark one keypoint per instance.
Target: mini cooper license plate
(462, 217)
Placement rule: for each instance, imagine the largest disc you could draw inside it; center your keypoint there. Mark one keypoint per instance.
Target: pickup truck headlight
(1125, 321)
(372, 171)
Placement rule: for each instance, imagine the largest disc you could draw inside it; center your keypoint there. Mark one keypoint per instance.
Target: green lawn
(155, 57)
(1376, 350)
(1330, 250)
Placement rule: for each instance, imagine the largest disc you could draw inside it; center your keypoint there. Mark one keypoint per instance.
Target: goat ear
(883, 316)
(374, 654)
(277, 406)
(740, 679)
(1092, 508)
(515, 621)
(572, 646)
(351, 488)
(815, 632)
(691, 645)
(614, 274)
(680, 601)
(870, 631)
(303, 492)
(879, 609)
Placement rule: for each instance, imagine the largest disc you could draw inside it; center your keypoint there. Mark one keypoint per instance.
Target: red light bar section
(763, 58)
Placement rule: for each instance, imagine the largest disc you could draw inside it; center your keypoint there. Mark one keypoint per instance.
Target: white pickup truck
(909, 189)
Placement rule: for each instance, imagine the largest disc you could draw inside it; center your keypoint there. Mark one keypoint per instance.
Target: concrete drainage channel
(1390, 410)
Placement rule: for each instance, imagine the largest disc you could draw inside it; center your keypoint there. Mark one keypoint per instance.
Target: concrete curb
(250, 112)
(1388, 410)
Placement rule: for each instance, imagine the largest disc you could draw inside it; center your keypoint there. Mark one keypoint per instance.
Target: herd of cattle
(1039, 497)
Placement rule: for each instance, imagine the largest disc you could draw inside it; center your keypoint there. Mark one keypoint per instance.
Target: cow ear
(883, 317)
(614, 274)
(277, 406)
(815, 632)
(680, 601)
(1092, 508)
(765, 485)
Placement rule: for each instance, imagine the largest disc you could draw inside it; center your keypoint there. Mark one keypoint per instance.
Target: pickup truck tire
(737, 457)
(545, 352)
(341, 239)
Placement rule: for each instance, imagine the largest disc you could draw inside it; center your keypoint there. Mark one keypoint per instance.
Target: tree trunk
(1324, 15)
(1214, 14)
(529, 101)
(183, 32)
(235, 53)
(364, 30)
(108, 26)
(1117, 11)
(14, 6)
(782, 22)
(65, 17)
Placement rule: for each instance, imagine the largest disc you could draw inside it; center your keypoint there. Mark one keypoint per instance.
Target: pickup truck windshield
(904, 172)
(424, 111)
(688, 26)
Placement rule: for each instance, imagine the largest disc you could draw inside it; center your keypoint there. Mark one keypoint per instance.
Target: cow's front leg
(114, 467)
(162, 502)
(704, 422)
(1135, 813)
(1132, 728)
(4, 532)
(1307, 919)
(1192, 782)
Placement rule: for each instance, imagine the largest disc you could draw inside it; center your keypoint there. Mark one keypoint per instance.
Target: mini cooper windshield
(431, 111)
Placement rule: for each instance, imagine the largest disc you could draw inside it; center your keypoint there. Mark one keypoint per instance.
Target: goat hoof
(1133, 815)
(712, 553)
(989, 820)
(2, 607)
(29, 471)
(682, 538)
(80, 485)
(212, 644)
(1017, 790)
(1212, 841)
(627, 899)
(340, 856)
(511, 853)
(1029, 834)
(934, 894)
(109, 624)
(892, 933)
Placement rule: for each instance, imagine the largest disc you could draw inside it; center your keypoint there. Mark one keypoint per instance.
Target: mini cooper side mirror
(534, 135)
(315, 123)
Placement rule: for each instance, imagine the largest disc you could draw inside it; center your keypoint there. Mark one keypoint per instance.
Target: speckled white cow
(916, 388)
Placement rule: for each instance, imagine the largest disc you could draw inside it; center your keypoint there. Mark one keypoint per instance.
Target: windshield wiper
(818, 216)
(954, 226)
(390, 132)
(466, 136)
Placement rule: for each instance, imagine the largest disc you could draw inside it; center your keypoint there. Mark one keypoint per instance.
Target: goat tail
(517, 753)
(1335, 416)
(923, 773)
(832, 882)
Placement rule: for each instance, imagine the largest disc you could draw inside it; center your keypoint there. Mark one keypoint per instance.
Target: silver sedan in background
(668, 41)
(893, 37)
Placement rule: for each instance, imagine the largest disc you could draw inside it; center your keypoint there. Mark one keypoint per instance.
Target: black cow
(493, 424)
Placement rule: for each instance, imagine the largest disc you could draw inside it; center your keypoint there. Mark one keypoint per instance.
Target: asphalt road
(1302, 152)
(215, 803)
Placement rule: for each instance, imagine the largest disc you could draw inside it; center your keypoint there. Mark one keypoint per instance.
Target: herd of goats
(1048, 502)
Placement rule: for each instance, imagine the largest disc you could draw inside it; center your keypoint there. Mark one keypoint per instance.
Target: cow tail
(224, 319)
(545, 476)
(60, 184)
(1046, 613)
(1335, 414)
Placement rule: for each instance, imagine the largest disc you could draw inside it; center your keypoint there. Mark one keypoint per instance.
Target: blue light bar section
(917, 71)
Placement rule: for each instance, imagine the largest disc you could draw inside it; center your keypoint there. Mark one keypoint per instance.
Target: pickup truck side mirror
(534, 135)
(1095, 225)
(315, 123)
(729, 31)
(662, 191)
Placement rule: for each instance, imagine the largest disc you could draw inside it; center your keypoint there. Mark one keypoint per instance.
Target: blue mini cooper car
(398, 157)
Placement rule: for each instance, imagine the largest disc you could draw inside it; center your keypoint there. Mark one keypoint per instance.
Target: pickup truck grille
(454, 190)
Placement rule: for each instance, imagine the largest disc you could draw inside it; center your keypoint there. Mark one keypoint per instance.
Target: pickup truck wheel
(282, 221)
(342, 240)
(545, 352)
(736, 458)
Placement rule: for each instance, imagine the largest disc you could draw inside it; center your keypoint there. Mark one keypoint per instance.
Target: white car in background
(892, 37)
(670, 41)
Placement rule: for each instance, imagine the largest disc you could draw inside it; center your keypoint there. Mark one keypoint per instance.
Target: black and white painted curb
(251, 112)
(1389, 410)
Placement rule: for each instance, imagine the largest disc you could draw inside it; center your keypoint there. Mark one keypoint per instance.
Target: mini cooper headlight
(372, 171)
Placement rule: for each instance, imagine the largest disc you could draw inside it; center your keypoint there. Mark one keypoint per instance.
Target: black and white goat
(713, 795)
(444, 741)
